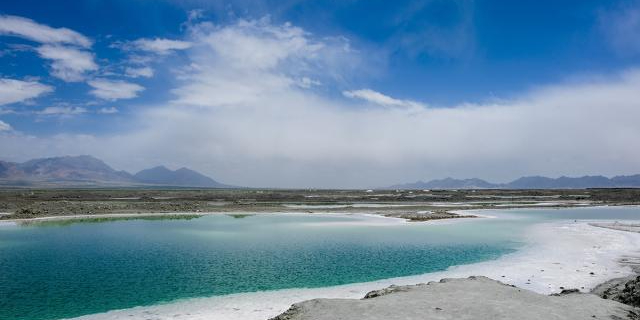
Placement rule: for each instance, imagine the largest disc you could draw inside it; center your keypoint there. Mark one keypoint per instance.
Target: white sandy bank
(558, 255)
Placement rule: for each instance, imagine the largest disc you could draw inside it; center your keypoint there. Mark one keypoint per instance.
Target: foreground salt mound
(470, 298)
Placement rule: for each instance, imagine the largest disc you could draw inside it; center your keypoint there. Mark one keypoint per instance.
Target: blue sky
(323, 93)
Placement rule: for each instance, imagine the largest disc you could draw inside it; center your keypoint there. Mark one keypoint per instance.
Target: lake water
(61, 270)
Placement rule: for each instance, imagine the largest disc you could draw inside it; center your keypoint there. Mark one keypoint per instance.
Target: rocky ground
(416, 205)
(624, 290)
(428, 216)
(459, 299)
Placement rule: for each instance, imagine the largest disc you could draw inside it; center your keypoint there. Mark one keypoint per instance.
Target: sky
(325, 93)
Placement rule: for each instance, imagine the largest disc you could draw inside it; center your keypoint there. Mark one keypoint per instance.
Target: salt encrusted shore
(484, 298)
(420, 217)
(631, 227)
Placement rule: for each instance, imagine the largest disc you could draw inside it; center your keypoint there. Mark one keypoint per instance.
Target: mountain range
(532, 182)
(89, 171)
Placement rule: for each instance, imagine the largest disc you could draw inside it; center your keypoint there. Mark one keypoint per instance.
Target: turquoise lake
(53, 271)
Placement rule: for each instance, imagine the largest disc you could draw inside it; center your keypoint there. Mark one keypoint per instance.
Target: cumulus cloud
(378, 98)
(5, 126)
(240, 116)
(160, 46)
(62, 111)
(29, 29)
(114, 89)
(145, 72)
(13, 91)
(68, 64)
(247, 61)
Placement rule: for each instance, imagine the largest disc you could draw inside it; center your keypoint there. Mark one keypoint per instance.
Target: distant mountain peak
(159, 168)
(86, 170)
(529, 182)
(182, 177)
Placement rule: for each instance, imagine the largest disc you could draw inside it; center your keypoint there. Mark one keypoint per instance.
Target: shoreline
(104, 215)
(453, 216)
(463, 213)
(633, 227)
(557, 255)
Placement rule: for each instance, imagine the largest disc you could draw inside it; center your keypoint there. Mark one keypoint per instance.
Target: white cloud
(69, 64)
(378, 98)
(64, 47)
(12, 91)
(247, 61)
(145, 72)
(307, 82)
(114, 89)
(29, 29)
(109, 110)
(160, 46)
(62, 111)
(251, 123)
(5, 126)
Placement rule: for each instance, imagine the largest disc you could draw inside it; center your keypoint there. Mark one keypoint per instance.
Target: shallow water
(56, 271)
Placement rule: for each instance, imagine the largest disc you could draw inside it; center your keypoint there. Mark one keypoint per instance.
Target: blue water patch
(52, 272)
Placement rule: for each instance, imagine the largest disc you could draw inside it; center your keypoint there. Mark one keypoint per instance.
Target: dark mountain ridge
(88, 170)
(180, 177)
